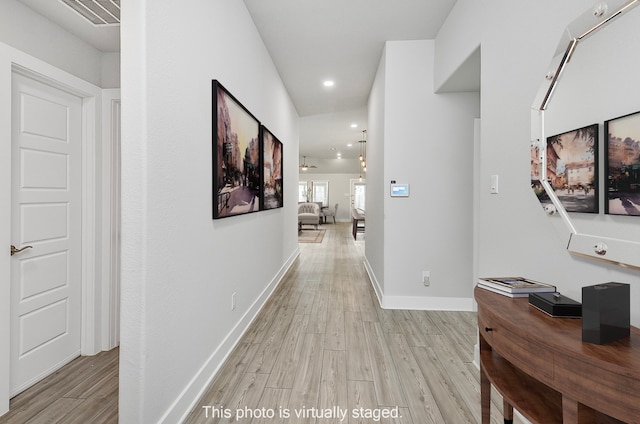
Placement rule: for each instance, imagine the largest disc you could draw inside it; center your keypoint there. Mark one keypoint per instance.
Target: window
(313, 191)
(359, 189)
(302, 191)
(321, 192)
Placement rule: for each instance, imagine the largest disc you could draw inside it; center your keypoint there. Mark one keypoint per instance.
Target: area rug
(311, 236)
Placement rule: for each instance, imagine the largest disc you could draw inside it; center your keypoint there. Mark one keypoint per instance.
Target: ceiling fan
(304, 166)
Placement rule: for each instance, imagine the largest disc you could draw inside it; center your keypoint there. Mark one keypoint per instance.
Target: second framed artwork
(572, 168)
(623, 165)
(272, 194)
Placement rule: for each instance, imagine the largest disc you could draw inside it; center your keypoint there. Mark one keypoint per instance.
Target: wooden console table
(542, 368)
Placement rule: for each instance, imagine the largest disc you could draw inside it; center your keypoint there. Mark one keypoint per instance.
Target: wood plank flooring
(321, 342)
(322, 348)
(84, 391)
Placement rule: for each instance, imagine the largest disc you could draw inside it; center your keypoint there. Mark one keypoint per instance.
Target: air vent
(98, 12)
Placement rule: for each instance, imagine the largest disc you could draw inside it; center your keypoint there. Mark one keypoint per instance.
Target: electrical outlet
(233, 301)
(426, 278)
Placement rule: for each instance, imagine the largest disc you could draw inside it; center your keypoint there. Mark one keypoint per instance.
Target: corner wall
(515, 236)
(180, 267)
(427, 141)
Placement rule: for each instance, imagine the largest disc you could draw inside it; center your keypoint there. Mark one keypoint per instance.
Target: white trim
(421, 303)
(110, 229)
(424, 303)
(188, 398)
(89, 342)
(12, 60)
(374, 281)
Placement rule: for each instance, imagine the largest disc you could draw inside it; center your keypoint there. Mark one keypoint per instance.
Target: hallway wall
(180, 267)
(426, 140)
(516, 237)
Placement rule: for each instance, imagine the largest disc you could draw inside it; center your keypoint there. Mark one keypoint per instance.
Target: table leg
(485, 396)
(507, 412)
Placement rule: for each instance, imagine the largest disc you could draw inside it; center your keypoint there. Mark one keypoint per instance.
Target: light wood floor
(321, 341)
(84, 391)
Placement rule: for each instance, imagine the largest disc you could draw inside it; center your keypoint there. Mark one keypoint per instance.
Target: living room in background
(313, 191)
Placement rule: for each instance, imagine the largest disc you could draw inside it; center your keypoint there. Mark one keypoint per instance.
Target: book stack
(515, 286)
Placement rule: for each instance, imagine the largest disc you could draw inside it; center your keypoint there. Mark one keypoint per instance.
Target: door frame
(93, 313)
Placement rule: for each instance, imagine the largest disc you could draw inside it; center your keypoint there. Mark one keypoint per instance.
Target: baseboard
(427, 303)
(189, 397)
(423, 303)
(374, 281)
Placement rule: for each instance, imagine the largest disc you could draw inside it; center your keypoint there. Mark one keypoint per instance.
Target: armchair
(308, 214)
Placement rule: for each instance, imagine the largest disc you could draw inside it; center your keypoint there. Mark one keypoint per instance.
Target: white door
(45, 214)
(358, 193)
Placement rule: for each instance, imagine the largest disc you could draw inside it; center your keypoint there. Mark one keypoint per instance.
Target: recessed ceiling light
(354, 125)
(332, 149)
(328, 83)
(349, 145)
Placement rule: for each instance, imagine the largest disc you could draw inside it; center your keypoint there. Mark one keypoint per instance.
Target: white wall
(374, 224)
(516, 237)
(180, 267)
(110, 70)
(22, 28)
(428, 143)
(457, 41)
(339, 191)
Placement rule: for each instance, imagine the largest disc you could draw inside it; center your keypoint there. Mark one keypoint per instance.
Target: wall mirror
(592, 78)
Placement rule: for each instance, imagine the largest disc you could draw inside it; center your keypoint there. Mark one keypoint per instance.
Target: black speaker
(606, 313)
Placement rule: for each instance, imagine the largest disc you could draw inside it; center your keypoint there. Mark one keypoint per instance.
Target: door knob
(14, 250)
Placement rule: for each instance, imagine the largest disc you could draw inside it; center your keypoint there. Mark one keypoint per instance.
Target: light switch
(494, 184)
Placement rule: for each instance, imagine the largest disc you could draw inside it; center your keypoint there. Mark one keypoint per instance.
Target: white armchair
(308, 214)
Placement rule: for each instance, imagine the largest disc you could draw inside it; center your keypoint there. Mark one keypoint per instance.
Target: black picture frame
(622, 164)
(236, 156)
(572, 168)
(272, 189)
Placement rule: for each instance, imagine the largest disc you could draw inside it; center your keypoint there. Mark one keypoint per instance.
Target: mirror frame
(618, 251)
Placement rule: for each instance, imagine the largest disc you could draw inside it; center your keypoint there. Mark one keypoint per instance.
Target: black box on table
(556, 305)
(606, 313)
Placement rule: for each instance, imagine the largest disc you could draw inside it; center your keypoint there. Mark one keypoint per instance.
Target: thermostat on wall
(399, 190)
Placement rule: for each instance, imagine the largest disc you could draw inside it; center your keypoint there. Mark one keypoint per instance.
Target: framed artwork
(572, 168)
(236, 156)
(623, 165)
(272, 193)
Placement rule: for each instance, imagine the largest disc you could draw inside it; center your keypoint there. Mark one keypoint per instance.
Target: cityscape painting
(272, 194)
(236, 156)
(572, 168)
(623, 165)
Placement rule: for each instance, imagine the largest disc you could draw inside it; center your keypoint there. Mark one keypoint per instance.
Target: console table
(542, 368)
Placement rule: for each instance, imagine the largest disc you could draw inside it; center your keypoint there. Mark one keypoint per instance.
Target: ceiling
(103, 38)
(310, 42)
